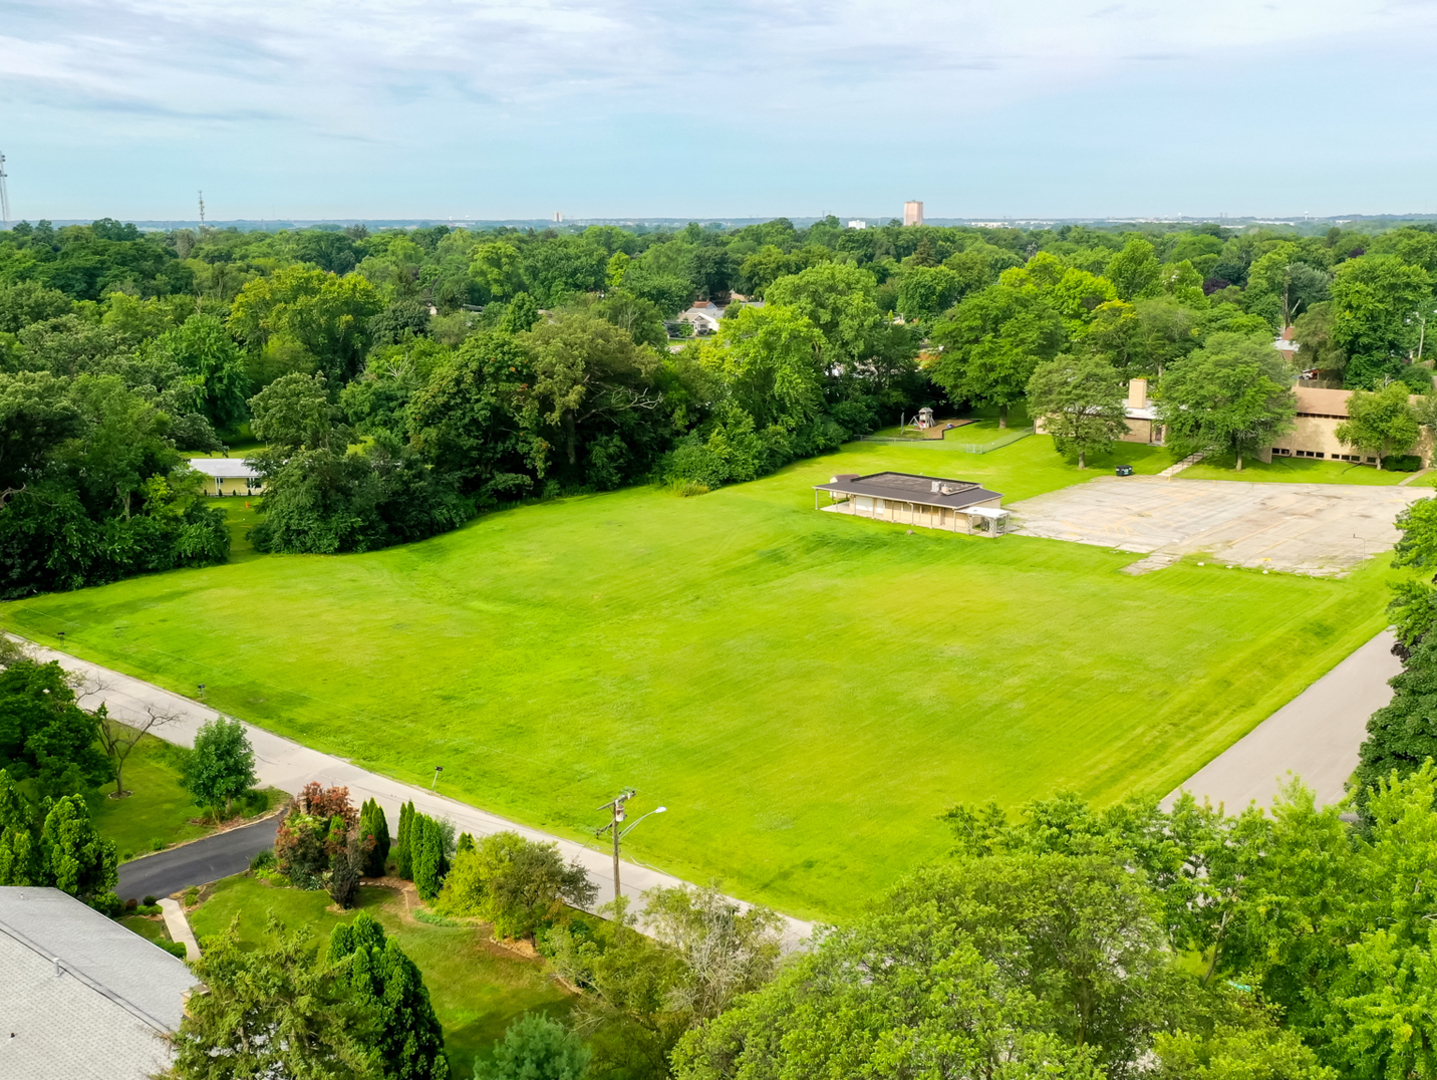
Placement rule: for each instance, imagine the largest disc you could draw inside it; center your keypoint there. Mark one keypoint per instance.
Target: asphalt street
(196, 863)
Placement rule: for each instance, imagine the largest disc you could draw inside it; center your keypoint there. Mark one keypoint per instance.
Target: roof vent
(935, 485)
(948, 489)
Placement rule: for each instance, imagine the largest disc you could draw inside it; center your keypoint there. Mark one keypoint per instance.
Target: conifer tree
(426, 845)
(373, 825)
(410, 1040)
(403, 855)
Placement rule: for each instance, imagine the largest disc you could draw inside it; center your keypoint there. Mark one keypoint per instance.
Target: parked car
(1124, 470)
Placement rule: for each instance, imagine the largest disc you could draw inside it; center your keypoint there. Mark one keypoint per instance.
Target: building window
(1281, 451)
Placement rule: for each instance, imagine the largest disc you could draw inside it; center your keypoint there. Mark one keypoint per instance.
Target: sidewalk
(289, 766)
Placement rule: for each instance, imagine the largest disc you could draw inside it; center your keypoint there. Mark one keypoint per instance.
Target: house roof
(220, 468)
(908, 487)
(82, 996)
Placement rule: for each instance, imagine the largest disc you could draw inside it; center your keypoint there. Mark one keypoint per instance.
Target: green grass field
(159, 811)
(1292, 471)
(476, 988)
(804, 691)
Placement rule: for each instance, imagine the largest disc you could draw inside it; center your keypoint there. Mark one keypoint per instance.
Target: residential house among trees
(930, 501)
(228, 476)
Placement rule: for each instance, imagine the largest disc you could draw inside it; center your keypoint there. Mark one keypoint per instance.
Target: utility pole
(4, 197)
(617, 809)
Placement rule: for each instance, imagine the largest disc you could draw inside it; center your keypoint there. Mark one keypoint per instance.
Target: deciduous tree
(1081, 401)
(1380, 424)
(220, 768)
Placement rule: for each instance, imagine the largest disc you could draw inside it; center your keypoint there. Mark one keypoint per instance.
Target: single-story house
(1314, 433)
(228, 476)
(932, 502)
(82, 998)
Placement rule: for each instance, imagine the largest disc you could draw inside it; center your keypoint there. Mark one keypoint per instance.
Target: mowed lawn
(804, 691)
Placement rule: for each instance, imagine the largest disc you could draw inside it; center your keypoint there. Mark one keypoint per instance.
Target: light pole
(437, 770)
(616, 807)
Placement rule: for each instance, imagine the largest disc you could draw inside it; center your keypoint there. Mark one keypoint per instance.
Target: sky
(632, 108)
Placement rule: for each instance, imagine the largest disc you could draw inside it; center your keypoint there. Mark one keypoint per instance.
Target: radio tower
(4, 198)
(202, 211)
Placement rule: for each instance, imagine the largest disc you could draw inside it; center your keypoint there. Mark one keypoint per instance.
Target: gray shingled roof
(907, 487)
(82, 996)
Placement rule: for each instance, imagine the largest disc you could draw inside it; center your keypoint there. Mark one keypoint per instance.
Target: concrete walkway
(179, 928)
(289, 766)
(1314, 736)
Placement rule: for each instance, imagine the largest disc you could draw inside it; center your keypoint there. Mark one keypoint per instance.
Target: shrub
(148, 909)
(316, 829)
(262, 860)
(174, 948)
(192, 894)
(149, 901)
(131, 904)
(514, 883)
(1401, 463)
(536, 1046)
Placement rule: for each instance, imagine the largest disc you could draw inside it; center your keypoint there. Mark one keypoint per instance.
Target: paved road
(1314, 736)
(289, 766)
(195, 863)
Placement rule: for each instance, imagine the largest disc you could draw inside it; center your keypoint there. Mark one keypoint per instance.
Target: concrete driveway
(1318, 529)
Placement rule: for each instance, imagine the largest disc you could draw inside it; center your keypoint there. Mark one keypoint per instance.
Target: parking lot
(1318, 529)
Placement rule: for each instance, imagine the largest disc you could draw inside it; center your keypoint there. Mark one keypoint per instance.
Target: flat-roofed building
(932, 502)
(913, 212)
(1314, 431)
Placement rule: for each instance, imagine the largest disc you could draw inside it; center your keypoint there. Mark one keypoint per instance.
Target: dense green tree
(991, 343)
(586, 370)
(26, 302)
(19, 838)
(514, 883)
(1082, 404)
(1376, 302)
(1380, 424)
(220, 767)
(45, 737)
(408, 1036)
(563, 266)
(429, 855)
(1401, 735)
(1230, 396)
(536, 1047)
(925, 292)
(326, 315)
(1135, 271)
(272, 1011)
(73, 857)
(203, 348)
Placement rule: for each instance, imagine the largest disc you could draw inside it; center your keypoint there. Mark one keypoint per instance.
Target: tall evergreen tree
(373, 825)
(403, 854)
(410, 1039)
(426, 844)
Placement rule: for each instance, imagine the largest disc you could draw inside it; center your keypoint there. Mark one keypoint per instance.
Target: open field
(804, 691)
(477, 988)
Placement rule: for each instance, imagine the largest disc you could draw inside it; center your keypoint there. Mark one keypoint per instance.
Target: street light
(437, 770)
(617, 808)
(202, 691)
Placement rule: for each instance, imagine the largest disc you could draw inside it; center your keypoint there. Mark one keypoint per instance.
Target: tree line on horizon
(391, 385)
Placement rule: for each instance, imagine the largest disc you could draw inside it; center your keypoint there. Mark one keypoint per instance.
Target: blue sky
(372, 108)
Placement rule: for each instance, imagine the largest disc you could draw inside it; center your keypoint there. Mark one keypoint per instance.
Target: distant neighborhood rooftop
(910, 488)
(82, 997)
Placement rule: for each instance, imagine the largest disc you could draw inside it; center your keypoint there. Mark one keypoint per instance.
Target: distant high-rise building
(558, 217)
(858, 223)
(912, 213)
